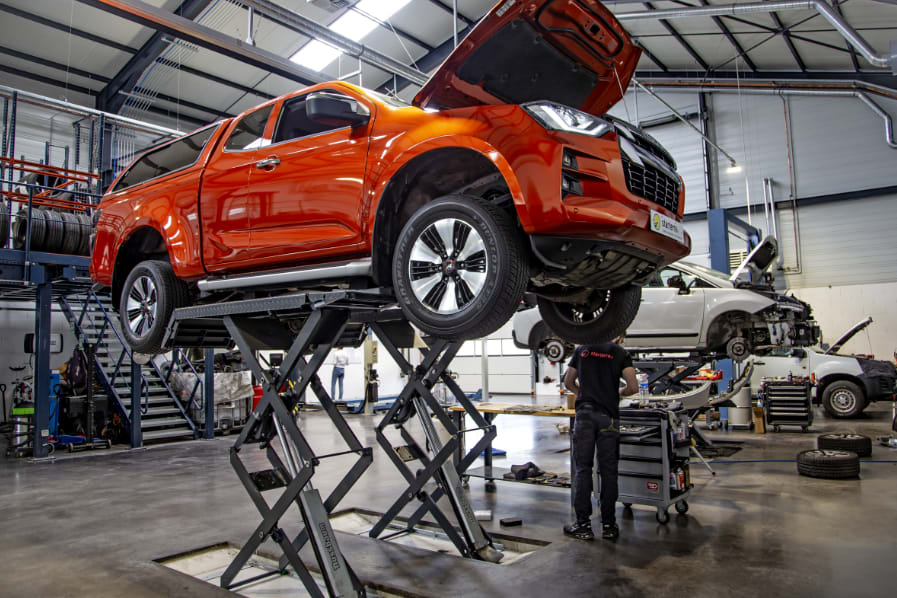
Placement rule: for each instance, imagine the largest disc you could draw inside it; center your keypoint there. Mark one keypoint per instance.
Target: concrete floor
(92, 524)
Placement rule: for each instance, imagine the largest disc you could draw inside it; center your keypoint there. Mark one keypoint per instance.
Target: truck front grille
(652, 184)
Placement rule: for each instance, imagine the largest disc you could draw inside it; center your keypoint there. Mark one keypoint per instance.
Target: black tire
(828, 464)
(597, 322)
(843, 399)
(163, 292)
(472, 312)
(4, 223)
(663, 516)
(55, 231)
(71, 233)
(855, 443)
(86, 228)
(38, 229)
(682, 507)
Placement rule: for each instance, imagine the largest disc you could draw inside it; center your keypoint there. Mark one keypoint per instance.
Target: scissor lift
(306, 326)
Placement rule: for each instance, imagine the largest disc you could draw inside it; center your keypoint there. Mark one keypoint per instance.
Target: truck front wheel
(603, 319)
(843, 399)
(149, 296)
(459, 270)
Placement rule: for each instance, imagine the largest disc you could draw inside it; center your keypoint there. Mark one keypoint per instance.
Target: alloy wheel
(448, 266)
(142, 306)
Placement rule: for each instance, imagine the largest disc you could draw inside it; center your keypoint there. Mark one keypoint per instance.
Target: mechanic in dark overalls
(594, 374)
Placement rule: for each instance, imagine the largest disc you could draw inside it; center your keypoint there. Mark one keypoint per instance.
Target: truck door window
(173, 156)
(294, 123)
(249, 132)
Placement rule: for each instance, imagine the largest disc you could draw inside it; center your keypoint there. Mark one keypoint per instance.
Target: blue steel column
(718, 230)
(136, 391)
(208, 390)
(42, 366)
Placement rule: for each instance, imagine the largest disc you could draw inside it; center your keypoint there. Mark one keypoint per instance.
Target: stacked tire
(53, 231)
(828, 464)
(846, 441)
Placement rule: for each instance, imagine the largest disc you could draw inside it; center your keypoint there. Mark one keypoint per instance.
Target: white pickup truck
(845, 384)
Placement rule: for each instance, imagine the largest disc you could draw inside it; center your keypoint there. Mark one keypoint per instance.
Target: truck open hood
(836, 346)
(573, 52)
(758, 260)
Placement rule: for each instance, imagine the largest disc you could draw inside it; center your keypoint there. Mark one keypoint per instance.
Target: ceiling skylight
(317, 55)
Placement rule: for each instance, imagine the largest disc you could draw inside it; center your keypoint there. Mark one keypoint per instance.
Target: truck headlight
(557, 117)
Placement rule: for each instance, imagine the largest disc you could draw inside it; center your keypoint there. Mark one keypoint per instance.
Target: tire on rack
(71, 237)
(459, 270)
(148, 297)
(38, 229)
(843, 398)
(856, 443)
(85, 225)
(55, 231)
(603, 319)
(828, 464)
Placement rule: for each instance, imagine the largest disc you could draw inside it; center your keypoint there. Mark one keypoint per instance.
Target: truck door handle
(270, 162)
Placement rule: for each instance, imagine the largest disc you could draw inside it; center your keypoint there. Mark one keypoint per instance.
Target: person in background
(594, 376)
(340, 361)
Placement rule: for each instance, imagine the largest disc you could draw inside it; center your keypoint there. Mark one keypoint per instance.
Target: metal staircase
(162, 415)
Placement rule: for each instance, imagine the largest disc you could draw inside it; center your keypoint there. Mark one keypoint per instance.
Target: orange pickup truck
(504, 176)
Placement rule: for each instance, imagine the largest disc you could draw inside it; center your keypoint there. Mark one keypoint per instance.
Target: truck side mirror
(335, 110)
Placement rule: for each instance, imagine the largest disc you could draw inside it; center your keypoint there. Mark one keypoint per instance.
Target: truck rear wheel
(459, 270)
(601, 320)
(149, 296)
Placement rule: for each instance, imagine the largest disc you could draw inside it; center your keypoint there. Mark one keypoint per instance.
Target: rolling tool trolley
(787, 403)
(654, 460)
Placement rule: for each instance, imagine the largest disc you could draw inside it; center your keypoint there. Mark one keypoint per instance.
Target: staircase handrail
(152, 363)
(108, 383)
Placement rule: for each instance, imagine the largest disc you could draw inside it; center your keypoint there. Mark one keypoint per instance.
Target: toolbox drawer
(651, 487)
(640, 450)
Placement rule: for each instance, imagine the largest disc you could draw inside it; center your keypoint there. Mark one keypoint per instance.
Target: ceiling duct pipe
(78, 110)
(852, 91)
(851, 35)
(306, 26)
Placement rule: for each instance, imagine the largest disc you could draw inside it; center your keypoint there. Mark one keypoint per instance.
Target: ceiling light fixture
(733, 168)
(317, 55)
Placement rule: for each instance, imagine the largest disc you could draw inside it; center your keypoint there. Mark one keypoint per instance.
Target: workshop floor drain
(427, 536)
(208, 564)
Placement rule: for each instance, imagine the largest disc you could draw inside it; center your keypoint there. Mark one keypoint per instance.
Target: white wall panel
(839, 146)
(838, 308)
(700, 242)
(842, 243)
(17, 320)
(759, 146)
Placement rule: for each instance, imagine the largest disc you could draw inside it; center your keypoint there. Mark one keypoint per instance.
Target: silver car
(690, 308)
